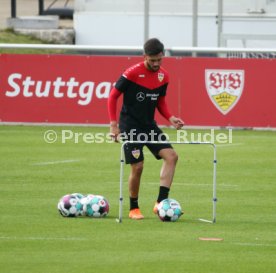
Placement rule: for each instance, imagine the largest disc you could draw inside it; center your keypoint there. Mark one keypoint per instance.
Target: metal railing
(138, 50)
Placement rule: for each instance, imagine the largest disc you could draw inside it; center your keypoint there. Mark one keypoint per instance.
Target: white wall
(128, 30)
(175, 6)
(121, 22)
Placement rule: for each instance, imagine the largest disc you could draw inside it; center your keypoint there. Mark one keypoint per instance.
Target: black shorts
(134, 151)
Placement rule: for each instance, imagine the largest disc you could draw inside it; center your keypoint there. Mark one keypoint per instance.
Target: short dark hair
(153, 47)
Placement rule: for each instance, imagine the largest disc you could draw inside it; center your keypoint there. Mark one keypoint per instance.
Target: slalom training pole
(122, 162)
(214, 184)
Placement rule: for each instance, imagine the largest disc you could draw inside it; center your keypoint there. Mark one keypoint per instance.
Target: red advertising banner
(228, 92)
(74, 89)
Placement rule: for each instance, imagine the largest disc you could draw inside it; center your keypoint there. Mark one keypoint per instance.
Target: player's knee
(169, 155)
(172, 157)
(137, 168)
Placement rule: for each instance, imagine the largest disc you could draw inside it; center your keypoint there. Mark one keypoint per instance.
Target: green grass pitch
(34, 238)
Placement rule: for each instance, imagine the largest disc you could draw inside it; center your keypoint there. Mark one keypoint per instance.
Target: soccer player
(144, 87)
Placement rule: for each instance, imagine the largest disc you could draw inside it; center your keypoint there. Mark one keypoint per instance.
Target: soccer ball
(84, 201)
(70, 205)
(95, 206)
(78, 195)
(169, 210)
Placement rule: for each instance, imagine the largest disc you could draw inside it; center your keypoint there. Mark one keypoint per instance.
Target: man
(144, 87)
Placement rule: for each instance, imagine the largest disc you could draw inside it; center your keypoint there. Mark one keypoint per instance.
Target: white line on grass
(55, 162)
(42, 238)
(254, 244)
(198, 185)
(229, 145)
(191, 184)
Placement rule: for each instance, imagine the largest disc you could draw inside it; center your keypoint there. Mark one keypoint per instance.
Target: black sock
(133, 203)
(163, 193)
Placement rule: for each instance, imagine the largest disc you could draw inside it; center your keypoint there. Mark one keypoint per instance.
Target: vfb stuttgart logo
(224, 88)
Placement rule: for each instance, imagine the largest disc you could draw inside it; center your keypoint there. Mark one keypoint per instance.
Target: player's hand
(176, 122)
(114, 131)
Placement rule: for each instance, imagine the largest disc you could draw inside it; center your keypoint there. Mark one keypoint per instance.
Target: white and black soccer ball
(169, 210)
(70, 205)
(95, 206)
